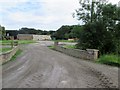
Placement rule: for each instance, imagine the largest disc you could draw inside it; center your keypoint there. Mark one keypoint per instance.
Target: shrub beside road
(110, 59)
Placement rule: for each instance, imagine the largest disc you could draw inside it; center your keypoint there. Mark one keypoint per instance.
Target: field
(2, 50)
(19, 41)
(6, 45)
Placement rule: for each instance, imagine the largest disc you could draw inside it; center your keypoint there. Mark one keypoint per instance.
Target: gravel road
(40, 67)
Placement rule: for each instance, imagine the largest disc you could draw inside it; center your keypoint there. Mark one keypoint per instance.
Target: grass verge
(19, 51)
(51, 47)
(8, 42)
(16, 55)
(2, 50)
(110, 59)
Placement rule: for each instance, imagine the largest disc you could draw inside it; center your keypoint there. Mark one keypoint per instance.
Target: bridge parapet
(89, 54)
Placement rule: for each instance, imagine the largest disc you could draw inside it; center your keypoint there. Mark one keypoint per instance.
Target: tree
(34, 31)
(66, 32)
(99, 30)
(28, 31)
(13, 33)
(76, 31)
(89, 10)
(62, 32)
(2, 32)
(117, 38)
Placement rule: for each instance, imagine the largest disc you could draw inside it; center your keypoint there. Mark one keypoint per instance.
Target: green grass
(5, 41)
(70, 46)
(14, 56)
(8, 42)
(2, 50)
(110, 59)
(51, 47)
(64, 40)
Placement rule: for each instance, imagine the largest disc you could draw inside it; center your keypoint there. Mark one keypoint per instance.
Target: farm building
(33, 37)
(41, 37)
(25, 37)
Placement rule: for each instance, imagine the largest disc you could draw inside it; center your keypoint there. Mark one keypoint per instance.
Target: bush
(96, 36)
(110, 59)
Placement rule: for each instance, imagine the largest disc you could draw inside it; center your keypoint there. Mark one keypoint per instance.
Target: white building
(41, 37)
(33, 37)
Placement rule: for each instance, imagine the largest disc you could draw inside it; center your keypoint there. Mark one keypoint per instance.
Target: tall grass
(110, 59)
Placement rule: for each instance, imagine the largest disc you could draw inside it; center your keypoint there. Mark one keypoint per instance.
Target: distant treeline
(28, 31)
(67, 32)
(64, 32)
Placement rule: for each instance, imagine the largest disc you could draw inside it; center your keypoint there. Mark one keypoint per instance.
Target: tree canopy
(66, 32)
(2, 32)
(101, 26)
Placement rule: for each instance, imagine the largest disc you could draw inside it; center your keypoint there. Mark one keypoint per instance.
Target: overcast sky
(39, 14)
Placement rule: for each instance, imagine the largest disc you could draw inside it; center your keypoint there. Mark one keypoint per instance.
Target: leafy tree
(76, 31)
(62, 32)
(34, 31)
(66, 32)
(99, 30)
(12, 33)
(28, 31)
(89, 10)
(2, 32)
(117, 38)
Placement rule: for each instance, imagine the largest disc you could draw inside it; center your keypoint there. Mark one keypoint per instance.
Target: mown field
(6, 45)
(19, 41)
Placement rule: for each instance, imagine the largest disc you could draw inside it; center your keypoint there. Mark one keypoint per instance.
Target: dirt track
(40, 67)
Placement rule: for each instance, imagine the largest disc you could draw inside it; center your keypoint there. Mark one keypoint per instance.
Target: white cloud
(6, 4)
(51, 14)
(12, 2)
(114, 1)
(22, 17)
(61, 10)
(54, 13)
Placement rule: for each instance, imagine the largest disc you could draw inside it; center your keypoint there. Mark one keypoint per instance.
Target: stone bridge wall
(4, 57)
(89, 54)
